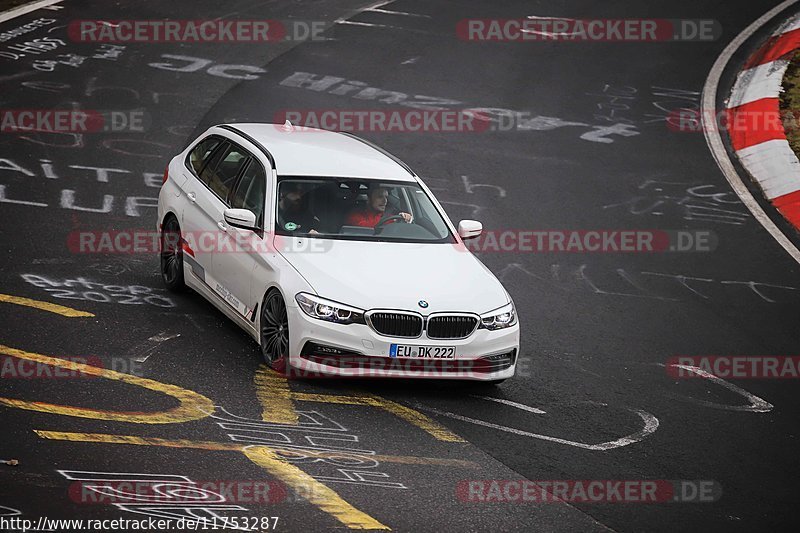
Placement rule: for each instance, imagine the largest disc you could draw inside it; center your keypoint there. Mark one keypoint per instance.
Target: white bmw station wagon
(333, 255)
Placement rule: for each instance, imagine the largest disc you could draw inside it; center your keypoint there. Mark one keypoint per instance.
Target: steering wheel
(382, 222)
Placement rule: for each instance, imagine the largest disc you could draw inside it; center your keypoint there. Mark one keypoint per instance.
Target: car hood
(371, 275)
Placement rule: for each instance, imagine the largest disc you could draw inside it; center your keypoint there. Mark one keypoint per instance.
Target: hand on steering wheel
(382, 222)
(386, 219)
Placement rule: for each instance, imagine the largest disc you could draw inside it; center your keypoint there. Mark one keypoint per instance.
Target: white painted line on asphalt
(513, 404)
(152, 343)
(650, 426)
(27, 8)
(550, 18)
(401, 13)
(369, 24)
(352, 14)
(547, 33)
(385, 26)
(714, 138)
(755, 404)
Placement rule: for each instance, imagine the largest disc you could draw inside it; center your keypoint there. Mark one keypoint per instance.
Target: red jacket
(365, 219)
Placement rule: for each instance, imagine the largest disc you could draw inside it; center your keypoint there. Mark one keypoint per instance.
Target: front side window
(357, 209)
(221, 172)
(251, 190)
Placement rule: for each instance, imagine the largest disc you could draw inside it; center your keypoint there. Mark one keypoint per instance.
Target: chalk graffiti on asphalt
(701, 202)
(82, 289)
(663, 286)
(359, 90)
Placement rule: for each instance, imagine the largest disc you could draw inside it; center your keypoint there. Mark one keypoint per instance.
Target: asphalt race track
(592, 399)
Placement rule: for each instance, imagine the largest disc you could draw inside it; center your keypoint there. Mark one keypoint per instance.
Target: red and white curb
(27, 8)
(762, 147)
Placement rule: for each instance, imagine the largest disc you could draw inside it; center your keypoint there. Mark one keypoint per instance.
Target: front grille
(451, 326)
(397, 324)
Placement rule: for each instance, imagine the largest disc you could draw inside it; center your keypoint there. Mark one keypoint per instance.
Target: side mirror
(240, 218)
(469, 229)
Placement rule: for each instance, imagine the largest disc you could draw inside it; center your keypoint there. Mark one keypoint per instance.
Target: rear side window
(221, 172)
(251, 191)
(199, 156)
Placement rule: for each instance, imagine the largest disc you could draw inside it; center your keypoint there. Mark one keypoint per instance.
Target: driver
(375, 210)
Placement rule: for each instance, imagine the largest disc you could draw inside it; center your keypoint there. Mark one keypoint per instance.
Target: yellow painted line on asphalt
(139, 441)
(331, 398)
(234, 447)
(275, 396)
(191, 405)
(431, 461)
(277, 401)
(412, 416)
(320, 495)
(408, 414)
(44, 306)
(315, 492)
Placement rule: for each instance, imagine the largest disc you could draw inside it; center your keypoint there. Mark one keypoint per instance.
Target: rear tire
(275, 332)
(171, 256)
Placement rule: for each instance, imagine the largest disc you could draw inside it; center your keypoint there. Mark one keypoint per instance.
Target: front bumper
(483, 356)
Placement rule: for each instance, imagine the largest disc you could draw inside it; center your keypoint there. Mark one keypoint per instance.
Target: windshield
(357, 209)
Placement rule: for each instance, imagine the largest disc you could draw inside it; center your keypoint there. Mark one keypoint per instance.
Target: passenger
(375, 210)
(294, 214)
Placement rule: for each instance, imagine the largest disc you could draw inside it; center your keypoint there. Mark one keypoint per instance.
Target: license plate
(422, 352)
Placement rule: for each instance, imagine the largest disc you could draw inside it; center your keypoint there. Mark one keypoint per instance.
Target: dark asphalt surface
(595, 327)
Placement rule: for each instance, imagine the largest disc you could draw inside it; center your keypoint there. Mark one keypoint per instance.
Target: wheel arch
(169, 213)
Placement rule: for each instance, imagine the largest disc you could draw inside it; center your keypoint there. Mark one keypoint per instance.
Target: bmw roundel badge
(423, 304)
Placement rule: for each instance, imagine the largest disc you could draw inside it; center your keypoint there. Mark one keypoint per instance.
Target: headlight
(503, 317)
(323, 309)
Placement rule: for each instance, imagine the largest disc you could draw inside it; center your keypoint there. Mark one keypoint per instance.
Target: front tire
(275, 332)
(172, 255)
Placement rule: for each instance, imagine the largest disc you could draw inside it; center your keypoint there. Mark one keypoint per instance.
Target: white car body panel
(399, 275)
(333, 154)
(366, 275)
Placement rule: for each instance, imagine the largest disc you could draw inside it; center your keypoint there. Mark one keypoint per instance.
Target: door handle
(192, 197)
(221, 225)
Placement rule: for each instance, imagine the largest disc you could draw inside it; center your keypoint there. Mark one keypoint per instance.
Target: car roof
(301, 151)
